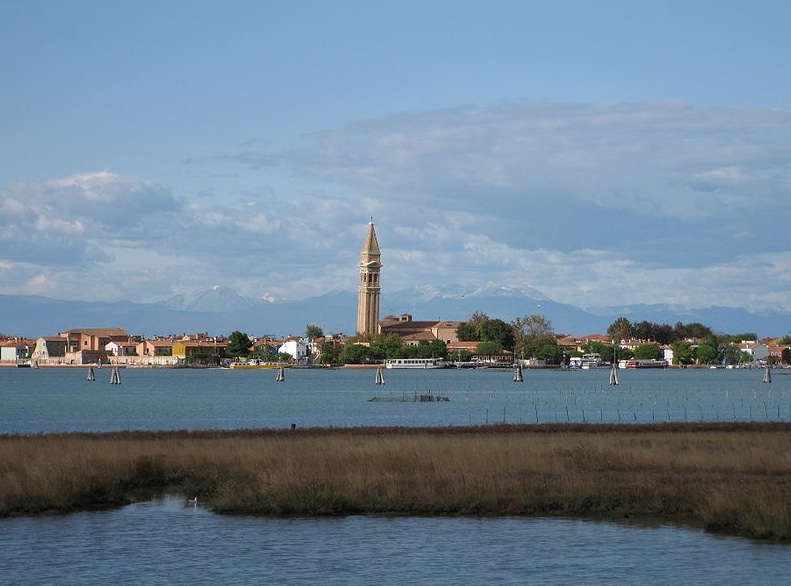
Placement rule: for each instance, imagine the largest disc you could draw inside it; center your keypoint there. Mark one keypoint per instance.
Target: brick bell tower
(368, 292)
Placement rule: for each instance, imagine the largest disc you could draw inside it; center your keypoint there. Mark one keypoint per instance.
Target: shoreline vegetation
(732, 478)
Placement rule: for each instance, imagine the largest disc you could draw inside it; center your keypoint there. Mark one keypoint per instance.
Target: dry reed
(733, 478)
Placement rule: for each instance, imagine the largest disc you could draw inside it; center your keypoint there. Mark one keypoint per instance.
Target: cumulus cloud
(593, 205)
(52, 230)
(64, 221)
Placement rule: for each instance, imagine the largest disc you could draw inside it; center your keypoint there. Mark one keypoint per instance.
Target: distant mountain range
(221, 310)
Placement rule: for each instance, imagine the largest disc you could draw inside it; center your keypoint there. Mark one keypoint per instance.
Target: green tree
(435, 349)
(532, 327)
(533, 330)
(706, 354)
(461, 356)
(313, 332)
(477, 318)
(330, 353)
(606, 350)
(496, 330)
(239, 345)
(488, 348)
(661, 333)
(682, 352)
(354, 354)
(733, 355)
(620, 329)
(736, 338)
(694, 330)
(549, 351)
(467, 332)
(386, 347)
(648, 351)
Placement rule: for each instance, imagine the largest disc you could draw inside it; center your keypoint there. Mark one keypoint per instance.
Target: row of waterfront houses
(413, 332)
(115, 345)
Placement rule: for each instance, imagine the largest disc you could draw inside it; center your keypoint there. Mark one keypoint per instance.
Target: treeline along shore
(725, 477)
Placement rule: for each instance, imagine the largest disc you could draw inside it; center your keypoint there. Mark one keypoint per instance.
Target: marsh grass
(734, 478)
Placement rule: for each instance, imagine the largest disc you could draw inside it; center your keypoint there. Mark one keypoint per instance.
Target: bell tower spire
(369, 288)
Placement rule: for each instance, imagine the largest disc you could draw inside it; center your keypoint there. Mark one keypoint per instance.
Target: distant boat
(255, 364)
(646, 363)
(517, 373)
(767, 375)
(418, 363)
(91, 375)
(281, 374)
(586, 361)
(380, 377)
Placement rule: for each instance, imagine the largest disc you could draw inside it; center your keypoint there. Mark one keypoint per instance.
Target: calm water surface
(45, 400)
(165, 542)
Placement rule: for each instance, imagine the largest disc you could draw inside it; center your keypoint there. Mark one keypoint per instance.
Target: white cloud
(665, 160)
(593, 205)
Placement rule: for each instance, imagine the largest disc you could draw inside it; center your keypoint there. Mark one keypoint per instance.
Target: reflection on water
(62, 400)
(169, 542)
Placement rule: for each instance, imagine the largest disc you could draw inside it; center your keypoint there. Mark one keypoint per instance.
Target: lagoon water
(164, 541)
(61, 400)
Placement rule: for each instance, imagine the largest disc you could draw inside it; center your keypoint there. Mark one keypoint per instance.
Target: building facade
(369, 289)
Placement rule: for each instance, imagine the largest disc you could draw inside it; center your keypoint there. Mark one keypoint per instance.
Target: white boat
(646, 363)
(586, 361)
(250, 364)
(416, 363)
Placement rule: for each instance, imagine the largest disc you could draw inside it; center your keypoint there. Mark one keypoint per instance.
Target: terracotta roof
(100, 332)
(420, 336)
(463, 345)
(162, 343)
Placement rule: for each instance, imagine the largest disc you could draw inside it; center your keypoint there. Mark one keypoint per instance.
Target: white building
(758, 351)
(296, 347)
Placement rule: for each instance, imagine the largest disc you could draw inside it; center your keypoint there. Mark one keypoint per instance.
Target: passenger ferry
(586, 361)
(415, 363)
(256, 364)
(646, 363)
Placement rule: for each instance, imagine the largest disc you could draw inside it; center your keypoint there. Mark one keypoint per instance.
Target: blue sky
(604, 153)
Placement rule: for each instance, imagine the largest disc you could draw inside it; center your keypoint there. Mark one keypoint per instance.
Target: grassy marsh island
(725, 477)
